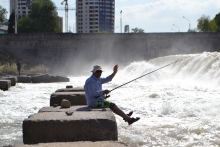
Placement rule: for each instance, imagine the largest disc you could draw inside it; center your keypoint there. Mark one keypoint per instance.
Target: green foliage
(137, 30)
(213, 26)
(11, 23)
(43, 18)
(25, 24)
(3, 14)
(205, 24)
(217, 20)
(192, 30)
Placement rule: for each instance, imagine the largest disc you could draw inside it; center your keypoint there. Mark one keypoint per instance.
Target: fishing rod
(145, 75)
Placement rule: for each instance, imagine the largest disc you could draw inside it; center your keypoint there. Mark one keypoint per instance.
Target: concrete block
(72, 109)
(44, 78)
(75, 98)
(24, 79)
(33, 74)
(13, 80)
(80, 144)
(77, 89)
(53, 78)
(62, 79)
(99, 125)
(5, 84)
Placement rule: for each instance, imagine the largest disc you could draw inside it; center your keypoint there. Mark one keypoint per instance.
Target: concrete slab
(44, 78)
(72, 108)
(5, 84)
(62, 79)
(24, 79)
(77, 89)
(75, 98)
(80, 126)
(80, 144)
(13, 80)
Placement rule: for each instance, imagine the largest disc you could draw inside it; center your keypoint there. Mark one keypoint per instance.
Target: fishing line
(145, 75)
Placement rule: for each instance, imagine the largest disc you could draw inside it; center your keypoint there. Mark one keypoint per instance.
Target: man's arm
(115, 70)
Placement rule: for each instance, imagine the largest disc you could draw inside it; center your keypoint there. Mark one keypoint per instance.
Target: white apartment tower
(95, 15)
(21, 7)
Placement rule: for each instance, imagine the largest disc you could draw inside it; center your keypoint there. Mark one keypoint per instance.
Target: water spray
(143, 76)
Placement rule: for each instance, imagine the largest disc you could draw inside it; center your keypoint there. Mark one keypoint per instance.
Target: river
(178, 105)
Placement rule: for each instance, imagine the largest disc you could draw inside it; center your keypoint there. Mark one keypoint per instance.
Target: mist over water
(178, 105)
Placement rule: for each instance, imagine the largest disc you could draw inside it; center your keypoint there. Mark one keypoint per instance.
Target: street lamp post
(188, 20)
(121, 20)
(15, 10)
(177, 27)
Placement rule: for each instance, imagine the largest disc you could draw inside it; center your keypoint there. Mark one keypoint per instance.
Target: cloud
(167, 11)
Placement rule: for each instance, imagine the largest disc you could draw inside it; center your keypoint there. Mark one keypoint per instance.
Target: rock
(65, 104)
(69, 113)
(69, 86)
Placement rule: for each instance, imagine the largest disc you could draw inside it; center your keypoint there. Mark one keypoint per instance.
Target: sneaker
(129, 114)
(133, 120)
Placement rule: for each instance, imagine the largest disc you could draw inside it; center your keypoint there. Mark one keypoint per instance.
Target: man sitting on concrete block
(95, 94)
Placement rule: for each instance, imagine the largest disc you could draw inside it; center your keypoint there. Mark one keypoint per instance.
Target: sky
(153, 16)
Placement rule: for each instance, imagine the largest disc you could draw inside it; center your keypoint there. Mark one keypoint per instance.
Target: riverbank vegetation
(8, 66)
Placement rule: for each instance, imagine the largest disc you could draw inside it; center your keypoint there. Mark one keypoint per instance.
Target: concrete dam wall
(79, 52)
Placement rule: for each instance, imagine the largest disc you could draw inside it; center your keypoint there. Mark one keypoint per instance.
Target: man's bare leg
(119, 112)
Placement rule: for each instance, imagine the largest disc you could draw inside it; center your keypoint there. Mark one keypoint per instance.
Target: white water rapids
(179, 105)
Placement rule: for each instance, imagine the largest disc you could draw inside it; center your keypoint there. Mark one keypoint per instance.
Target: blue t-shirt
(93, 89)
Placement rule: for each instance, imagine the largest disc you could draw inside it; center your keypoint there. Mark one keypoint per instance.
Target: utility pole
(189, 22)
(177, 27)
(15, 9)
(121, 20)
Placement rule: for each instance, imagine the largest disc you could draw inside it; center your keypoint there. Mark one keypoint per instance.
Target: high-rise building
(95, 15)
(21, 7)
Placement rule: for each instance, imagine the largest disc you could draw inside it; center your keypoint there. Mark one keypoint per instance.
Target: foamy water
(178, 105)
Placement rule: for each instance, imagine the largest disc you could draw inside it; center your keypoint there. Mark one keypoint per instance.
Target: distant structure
(126, 30)
(22, 8)
(93, 16)
(66, 8)
(4, 27)
(61, 23)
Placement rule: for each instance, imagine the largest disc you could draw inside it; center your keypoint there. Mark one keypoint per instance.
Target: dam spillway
(68, 51)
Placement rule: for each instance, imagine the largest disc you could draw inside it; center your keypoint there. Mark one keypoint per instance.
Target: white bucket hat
(96, 67)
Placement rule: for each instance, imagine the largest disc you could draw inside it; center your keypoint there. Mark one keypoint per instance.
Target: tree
(11, 23)
(25, 24)
(213, 26)
(3, 14)
(217, 20)
(137, 30)
(43, 18)
(192, 30)
(205, 24)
